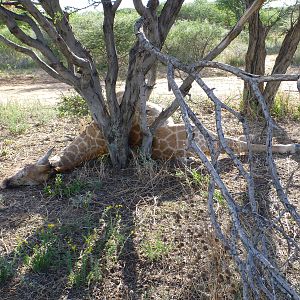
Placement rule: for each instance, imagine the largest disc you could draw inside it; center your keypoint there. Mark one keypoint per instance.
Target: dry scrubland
(140, 233)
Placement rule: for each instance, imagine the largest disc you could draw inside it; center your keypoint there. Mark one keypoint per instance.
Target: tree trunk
(255, 57)
(283, 60)
(117, 144)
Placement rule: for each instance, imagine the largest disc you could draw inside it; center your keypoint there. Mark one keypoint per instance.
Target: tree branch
(186, 85)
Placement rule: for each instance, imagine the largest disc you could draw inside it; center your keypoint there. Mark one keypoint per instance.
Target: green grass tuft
(284, 107)
(44, 252)
(18, 118)
(6, 270)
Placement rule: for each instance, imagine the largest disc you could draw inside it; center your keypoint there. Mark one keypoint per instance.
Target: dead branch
(186, 85)
(259, 271)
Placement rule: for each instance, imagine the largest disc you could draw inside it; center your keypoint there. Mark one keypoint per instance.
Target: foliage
(235, 54)
(12, 60)
(88, 29)
(233, 8)
(44, 252)
(72, 105)
(6, 269)
(101, 250)
(202, 10)
(155, 249)
(200, 38)
(284, 107)
(61, 189)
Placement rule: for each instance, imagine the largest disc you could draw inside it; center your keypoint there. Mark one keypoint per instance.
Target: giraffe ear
(44, 160)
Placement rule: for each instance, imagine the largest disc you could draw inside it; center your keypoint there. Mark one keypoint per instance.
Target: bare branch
(139, 7)
(41, 63)
(112, 59)
(186, 85)
(259, 273)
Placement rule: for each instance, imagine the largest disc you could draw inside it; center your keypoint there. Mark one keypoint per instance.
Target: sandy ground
(49, 92)
(39, 86)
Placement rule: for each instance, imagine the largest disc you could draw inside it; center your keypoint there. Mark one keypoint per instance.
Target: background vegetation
(200, 26)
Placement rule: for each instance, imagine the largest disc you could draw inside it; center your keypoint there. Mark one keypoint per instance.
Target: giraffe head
(31, 174)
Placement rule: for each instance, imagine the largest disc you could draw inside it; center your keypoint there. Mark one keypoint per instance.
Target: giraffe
(170, 140)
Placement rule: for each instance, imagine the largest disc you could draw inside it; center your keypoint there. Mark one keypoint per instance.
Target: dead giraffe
(170, 140)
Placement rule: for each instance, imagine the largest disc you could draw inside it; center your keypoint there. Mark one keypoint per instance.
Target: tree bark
(283, 60)
(255, 57)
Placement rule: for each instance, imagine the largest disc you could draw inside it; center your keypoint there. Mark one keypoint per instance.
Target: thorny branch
(260, 273)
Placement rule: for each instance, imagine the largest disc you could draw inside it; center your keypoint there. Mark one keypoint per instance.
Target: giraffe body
(170, 140)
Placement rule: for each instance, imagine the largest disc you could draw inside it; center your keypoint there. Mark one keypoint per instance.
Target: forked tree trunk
(256, 56)
(283, 60)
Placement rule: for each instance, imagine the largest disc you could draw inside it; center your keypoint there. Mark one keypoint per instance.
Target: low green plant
(115, 238)
(155, 249)
(44, 252)
(219, 198)
(101, 249)
(193, 176)
(83, 271)
(17, 118)
(284, 107)
(59, 188)
(198, 178)
(72, 105)
(82, 200)
(6, 269)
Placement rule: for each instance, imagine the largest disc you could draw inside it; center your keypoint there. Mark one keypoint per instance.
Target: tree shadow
(115, 195)
(109, 209)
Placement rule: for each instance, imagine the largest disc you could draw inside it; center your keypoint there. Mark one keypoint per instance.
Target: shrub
(88, 29)
(72, 105)
(235, 53)
(6, 270)
(202, 10)
(191, 40)
(11, 59)
(284, 107)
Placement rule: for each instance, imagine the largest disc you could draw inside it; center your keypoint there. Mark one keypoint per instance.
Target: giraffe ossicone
(170, 140)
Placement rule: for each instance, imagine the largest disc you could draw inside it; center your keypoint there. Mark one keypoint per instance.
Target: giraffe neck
(88, 145)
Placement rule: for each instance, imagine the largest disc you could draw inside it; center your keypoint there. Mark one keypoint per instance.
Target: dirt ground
(151, 218)
(39, 86)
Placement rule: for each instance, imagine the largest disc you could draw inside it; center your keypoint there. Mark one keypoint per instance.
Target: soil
(38, 85)
(158, 210)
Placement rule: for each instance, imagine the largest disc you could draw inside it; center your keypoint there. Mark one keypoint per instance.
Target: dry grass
(140, 233)
(165, 247)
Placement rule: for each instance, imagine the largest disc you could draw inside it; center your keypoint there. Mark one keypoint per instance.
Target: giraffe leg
(241, 147)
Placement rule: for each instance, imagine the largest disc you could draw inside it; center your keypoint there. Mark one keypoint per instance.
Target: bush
(73, 105)
(88, 29)
(235, 54)
(202, 10)
(11, 59)
(191, 40)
